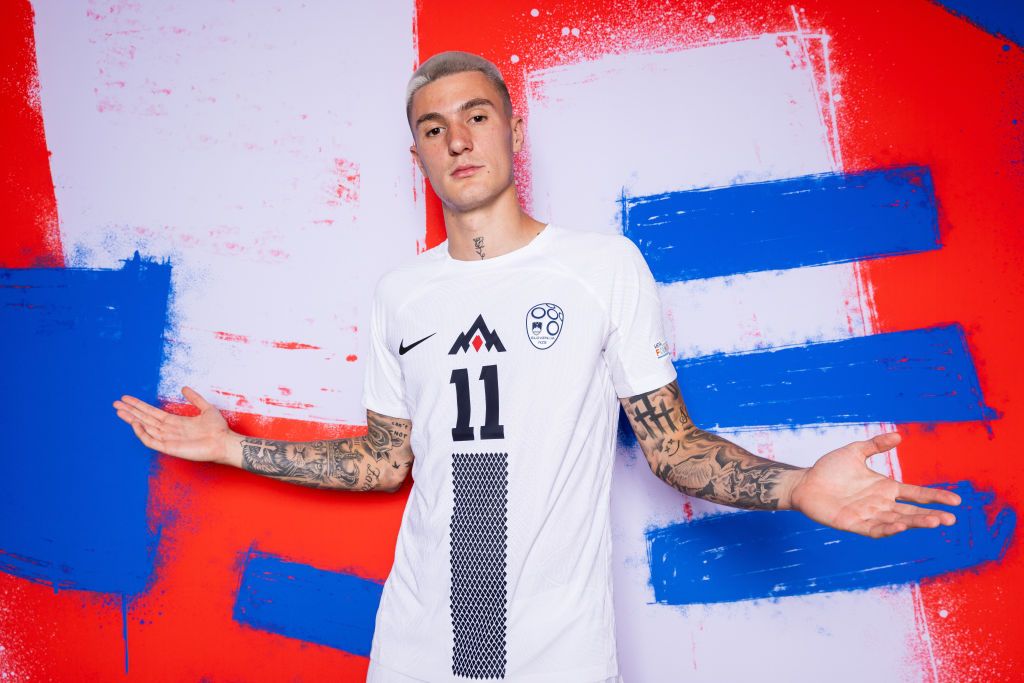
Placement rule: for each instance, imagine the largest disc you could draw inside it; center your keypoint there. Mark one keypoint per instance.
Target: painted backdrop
(204, 193)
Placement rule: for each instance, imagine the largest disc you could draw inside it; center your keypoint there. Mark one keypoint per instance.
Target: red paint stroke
(31, 233)
(286, 345)
(922, 103)
(228, 336)
(241, 401)
(347, 185)
(294, 346)
(267, 400)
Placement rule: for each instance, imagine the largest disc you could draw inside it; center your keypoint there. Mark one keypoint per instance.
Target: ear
(416, 157)
(518, 133)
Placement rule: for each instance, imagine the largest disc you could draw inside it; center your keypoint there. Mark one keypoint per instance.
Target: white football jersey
(509, 369)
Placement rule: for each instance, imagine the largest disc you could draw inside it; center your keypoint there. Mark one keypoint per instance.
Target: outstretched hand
(202, 437)
(841, 492)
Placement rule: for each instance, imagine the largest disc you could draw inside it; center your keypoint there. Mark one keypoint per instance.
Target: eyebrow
(469, 104)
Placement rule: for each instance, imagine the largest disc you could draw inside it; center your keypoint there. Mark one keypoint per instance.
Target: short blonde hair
(453, 62)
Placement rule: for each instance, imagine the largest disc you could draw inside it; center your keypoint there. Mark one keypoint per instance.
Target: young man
(510, 348)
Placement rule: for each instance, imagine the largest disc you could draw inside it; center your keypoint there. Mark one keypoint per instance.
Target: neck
(491, 230)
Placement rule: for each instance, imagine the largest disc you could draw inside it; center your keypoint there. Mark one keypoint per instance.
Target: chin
(469, 201)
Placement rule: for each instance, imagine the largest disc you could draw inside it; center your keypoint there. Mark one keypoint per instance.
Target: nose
(459, 139)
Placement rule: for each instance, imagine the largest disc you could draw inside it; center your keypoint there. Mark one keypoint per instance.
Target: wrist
(231, 449)
(789, 482)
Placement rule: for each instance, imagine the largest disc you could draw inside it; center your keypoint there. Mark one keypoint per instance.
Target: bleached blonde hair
(454, 62)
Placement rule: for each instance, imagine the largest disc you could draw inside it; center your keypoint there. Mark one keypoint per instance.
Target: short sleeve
(383, 385)
(636, 351)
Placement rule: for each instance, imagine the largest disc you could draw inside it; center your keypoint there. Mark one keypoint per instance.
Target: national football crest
(544, 324)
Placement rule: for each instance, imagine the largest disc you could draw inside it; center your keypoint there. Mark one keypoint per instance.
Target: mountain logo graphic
(476, 336)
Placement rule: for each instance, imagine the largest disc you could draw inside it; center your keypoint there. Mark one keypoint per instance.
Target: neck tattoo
(478, 244)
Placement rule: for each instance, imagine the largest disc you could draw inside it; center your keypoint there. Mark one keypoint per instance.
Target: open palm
(840, 491)
(201, 437)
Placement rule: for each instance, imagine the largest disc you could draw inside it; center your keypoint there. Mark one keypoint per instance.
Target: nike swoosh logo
(403, 349)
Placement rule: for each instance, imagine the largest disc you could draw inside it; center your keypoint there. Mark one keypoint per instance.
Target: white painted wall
(222, 135)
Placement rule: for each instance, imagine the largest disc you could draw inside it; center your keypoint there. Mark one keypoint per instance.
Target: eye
(479, 118)
(432, 132)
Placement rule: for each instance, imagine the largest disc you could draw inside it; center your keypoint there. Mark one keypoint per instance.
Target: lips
(465, 171)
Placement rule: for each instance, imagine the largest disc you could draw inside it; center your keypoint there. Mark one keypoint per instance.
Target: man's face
(464, 140)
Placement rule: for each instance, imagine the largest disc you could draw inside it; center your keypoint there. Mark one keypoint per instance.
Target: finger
(195, 399)
(927, 494)
(159, 429)
(869, 525)
(941, 516)
(879, 444)
(144, 436)
(886, 529)
(144, 408)
(884, 517)
(922, 520)
(129, 414)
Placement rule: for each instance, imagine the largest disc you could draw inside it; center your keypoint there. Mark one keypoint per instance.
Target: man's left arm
(839, 490)
(702, 464)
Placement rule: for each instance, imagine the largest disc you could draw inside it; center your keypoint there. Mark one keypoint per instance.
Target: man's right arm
(376, 461)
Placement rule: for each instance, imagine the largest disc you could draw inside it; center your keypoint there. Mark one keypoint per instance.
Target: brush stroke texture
(76, 479)
(335, 609)
(750, 555)
(810, 220)
(924, 375)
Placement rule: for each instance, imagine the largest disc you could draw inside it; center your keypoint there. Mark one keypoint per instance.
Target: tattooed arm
(376, 461)
(702, 464)
(839, 490)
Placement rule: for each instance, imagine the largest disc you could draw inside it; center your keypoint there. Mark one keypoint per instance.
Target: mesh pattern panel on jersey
(478, 548)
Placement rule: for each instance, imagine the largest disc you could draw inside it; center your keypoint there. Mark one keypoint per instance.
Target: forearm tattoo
(379, 459)
(699, 463)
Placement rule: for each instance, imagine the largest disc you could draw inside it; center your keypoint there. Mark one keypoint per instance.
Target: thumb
(880, 443)
(195, 399)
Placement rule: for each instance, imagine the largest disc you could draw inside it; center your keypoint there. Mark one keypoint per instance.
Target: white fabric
(555, 389)
(378, 673)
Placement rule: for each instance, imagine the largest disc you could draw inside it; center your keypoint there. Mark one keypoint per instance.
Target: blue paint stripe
(750, 555)
(1000, 17)
(806, 221)
(75, 478)
(295, 600)
(924, 375)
